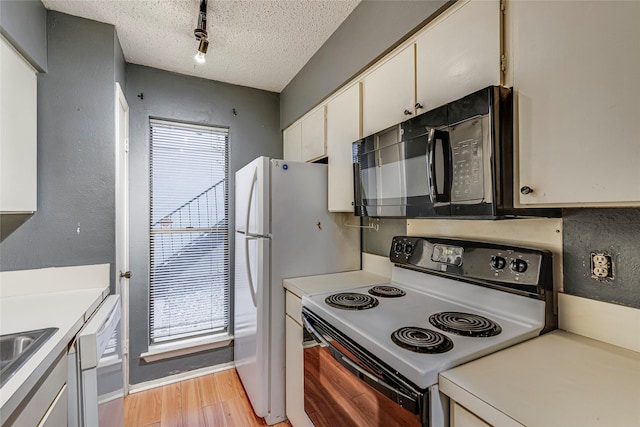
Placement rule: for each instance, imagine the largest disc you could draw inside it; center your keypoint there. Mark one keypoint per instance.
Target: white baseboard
(183, 376)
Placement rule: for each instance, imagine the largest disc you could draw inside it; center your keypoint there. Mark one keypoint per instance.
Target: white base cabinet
(575, 74)
(294, 362)
(460, 417)
(47, 406)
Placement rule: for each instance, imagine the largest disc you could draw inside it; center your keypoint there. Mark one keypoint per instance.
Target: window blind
(189, 230)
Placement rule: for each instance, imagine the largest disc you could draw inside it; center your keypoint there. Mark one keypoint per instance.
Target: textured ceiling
(256, 43)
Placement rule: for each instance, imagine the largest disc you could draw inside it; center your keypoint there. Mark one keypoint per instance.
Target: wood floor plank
(214, 400)
(214, 415)
(229, 385)
(132, 410)
(208, 390)
(171, 414)
(192, 415)
(235, 414)
(150, 407)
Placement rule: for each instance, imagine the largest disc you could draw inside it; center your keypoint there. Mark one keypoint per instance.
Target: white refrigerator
(283, 230)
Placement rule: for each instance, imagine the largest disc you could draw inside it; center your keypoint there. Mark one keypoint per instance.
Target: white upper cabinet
(313, 136)
(305, 140)
(459, 53)
(343, 128)
(576, 73)
(292, 139)
(388, 92)
(18, 136)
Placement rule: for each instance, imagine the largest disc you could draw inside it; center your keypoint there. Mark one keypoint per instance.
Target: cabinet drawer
(32, 410)
(460, 417)
(294, 307)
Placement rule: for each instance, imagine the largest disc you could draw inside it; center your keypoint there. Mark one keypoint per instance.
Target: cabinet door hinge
(125, 347)
(126, 145)
(503, 5)
(503, 62)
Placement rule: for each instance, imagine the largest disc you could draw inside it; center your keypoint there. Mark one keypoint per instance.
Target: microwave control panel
(466, 140)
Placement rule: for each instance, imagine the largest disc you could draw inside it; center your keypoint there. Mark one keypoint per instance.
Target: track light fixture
(201, 33)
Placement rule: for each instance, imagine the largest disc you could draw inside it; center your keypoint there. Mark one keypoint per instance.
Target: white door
(122, 221)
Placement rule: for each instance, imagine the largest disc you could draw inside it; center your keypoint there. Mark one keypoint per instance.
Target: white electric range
(448, 302)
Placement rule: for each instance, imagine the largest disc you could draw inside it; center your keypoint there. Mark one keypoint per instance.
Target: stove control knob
(408, 249)
(498, 262)
(518, 265)
(397, 247)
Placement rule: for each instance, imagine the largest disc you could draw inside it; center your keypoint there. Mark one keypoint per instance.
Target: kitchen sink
(17, 348)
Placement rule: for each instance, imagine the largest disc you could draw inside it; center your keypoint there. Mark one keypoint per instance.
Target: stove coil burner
(351, 301)
(465, 324)
(385, 291)
(420, 340)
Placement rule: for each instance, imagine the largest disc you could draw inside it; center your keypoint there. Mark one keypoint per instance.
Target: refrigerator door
(306, 240)
(252, 198)
(251, 335)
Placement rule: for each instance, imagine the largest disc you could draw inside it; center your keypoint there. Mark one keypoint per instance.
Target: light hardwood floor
(211, 400)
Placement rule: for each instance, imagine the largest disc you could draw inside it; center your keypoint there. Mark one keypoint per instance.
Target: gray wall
(614, 231)
(370, 31)
(23, 23)
(253, 132)
(76, 152)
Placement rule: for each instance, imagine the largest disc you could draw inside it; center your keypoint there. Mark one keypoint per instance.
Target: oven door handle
(315, 334)
(408, 402)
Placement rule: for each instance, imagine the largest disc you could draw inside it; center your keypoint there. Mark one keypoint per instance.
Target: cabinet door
(343, 128)
(294, 372)
(18, 139)
(576, 67)
(389, 91)
(459, 53)
(313, 144)
(292, 138)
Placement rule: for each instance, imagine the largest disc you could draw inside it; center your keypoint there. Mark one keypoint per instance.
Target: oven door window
(340, 390)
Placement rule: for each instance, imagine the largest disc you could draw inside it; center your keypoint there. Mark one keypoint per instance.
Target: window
(189, 231)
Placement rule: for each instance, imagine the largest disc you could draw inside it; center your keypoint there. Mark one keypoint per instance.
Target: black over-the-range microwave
(454, 161)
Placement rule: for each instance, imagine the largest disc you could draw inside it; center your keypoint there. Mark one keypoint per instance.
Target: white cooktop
(519, 317)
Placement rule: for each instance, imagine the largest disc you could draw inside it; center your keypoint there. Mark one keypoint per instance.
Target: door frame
(122, 221)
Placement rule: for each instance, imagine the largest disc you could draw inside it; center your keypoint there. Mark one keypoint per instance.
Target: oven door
(344, 386)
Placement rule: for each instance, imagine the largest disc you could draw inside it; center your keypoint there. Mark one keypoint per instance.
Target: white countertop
(66, 310)
(301, 286)
(558, 379)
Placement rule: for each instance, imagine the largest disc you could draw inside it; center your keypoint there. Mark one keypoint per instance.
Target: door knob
(126, 274)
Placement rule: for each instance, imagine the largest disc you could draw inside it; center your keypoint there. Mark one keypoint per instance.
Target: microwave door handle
(432, 174)
(431, 171)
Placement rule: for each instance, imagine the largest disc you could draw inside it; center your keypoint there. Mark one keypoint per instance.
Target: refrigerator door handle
(248, 271)
(253, 185)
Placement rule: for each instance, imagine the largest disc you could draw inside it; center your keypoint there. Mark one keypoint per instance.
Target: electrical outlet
(601, 266)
